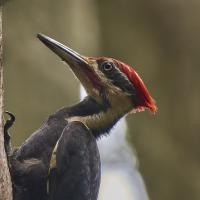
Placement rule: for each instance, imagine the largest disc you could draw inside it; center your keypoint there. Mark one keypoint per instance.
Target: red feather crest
(143, 98)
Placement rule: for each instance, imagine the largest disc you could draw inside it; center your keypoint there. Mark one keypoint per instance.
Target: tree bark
(5, 180)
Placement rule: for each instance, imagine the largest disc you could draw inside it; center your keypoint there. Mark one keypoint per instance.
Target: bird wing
(75, 172)
(42, 142)
(29, 163)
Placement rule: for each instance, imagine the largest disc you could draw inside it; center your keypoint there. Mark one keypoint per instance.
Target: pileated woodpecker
(62, 155)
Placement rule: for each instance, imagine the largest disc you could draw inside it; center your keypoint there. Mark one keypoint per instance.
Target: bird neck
(94, 115)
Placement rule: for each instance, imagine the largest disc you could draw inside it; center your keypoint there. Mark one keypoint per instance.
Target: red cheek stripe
(93, 78)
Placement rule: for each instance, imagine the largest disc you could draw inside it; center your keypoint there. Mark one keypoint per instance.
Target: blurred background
(160, 39)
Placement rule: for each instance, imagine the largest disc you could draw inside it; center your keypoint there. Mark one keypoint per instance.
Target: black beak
(79, 64)
(65, 53)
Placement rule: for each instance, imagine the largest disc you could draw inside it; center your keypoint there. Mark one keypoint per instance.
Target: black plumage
(77, 170)
(78, 173)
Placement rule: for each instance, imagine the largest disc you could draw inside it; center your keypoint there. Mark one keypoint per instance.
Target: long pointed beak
(65, 53)
(79, 64)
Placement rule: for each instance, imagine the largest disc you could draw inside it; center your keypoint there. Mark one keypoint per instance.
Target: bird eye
(107, 66)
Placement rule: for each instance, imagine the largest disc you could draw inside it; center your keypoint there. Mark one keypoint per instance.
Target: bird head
(112, 83)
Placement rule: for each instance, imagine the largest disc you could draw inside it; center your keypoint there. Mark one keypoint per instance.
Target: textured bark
(5, 180)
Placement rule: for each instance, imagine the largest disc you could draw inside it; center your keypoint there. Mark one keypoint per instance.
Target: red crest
(143, 98)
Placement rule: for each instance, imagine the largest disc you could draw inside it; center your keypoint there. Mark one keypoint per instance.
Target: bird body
(63, 151)
(32, 159)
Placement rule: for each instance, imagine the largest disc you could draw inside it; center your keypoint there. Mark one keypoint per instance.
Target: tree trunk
(5, 180)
